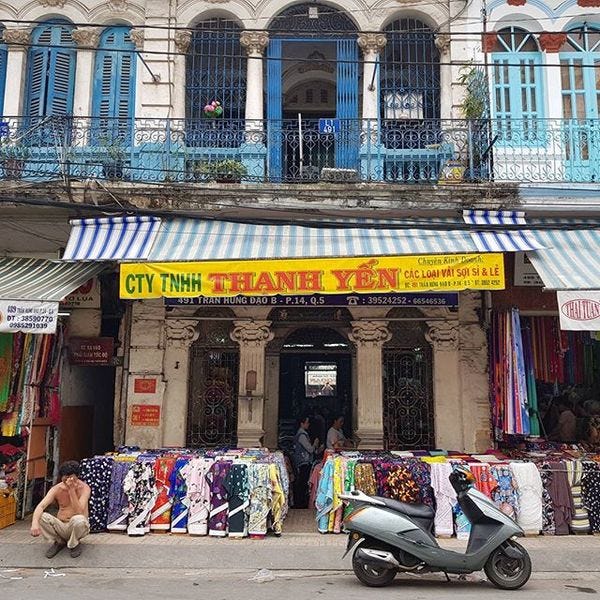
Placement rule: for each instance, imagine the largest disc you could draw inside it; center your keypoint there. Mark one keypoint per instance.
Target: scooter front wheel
(506, 572)
(370, 575)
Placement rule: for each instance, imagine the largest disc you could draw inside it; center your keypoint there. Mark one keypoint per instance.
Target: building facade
(298, 112)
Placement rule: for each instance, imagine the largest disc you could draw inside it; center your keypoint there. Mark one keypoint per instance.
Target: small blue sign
(329, 126)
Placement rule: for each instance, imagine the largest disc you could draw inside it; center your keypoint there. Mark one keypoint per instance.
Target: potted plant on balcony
(222, 171)
(112, 158)
(13, 157)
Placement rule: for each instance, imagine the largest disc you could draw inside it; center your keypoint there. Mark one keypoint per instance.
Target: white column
(255, 43)
(443, 336)
(183, 39)
(369, 337)
(442, 42)
(180, 335)
(17, 40)
(253, 337)
(371, 44)
(86, 39)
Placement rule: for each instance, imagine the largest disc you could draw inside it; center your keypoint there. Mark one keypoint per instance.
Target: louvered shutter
(3, 59)
(36, 85)
(61, 82)
(114, 82)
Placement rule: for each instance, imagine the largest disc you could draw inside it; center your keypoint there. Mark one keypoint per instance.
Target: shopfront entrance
(315, 380)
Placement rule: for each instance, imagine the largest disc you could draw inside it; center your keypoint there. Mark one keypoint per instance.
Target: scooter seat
(419, 511)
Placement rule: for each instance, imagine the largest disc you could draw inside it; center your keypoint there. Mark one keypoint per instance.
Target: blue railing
(235, 151)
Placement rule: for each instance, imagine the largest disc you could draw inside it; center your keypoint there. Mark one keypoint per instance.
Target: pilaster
(252, 337)
(17, 40)
(444, 337)
(369, 337)
(86, 39)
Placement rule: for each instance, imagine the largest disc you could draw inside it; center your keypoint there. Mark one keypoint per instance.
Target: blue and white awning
(114, 238)
(516, 239)
(193, 240)
(570, 259)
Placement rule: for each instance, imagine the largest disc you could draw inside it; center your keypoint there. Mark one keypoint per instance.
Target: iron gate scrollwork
(213, 389)
(408, 397)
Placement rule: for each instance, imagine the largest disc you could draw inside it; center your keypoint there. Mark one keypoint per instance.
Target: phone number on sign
(405, 300)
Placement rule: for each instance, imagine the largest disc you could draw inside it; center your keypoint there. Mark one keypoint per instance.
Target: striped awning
(192, 240)
(114, 238)
(42, 280)
(570, 259)
(515, 239)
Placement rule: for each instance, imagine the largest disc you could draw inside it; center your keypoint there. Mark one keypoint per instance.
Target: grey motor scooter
(388, 537)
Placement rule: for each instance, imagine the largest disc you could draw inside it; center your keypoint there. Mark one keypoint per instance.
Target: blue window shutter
(61, 82)
(114, 80)
(50, 72)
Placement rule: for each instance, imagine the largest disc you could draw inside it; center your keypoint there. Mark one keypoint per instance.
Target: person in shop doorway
(565, 430)
(304, 456)
(336, 440)
(71, 523)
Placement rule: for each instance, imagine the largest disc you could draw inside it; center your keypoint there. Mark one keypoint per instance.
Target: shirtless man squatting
(71, 523)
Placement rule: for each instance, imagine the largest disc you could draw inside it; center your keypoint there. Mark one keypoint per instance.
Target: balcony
(296, 152)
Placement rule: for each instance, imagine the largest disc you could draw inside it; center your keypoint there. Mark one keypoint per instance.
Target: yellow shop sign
(431, 273)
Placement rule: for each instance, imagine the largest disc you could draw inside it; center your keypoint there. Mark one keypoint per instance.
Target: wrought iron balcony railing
(289, 151)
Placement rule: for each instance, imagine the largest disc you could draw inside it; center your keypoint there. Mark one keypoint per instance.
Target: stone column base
(250, 438)
(369, 439)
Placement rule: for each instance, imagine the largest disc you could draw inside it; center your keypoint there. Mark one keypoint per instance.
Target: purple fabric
(217, 521)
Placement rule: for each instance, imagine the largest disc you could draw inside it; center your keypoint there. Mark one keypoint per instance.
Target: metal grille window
(215, 70)
(410, 74)
(114, 85)
(213, 388)
(408, 390)
(517, 87)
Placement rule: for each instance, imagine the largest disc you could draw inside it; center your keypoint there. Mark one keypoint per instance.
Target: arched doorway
(315, 379)
(408, 412)
(213, 387)
(312, 74)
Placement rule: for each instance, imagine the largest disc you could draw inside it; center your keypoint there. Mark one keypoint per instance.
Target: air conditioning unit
(339, 175)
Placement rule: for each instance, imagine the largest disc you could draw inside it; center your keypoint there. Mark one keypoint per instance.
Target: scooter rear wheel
(370, 575)
(508, 573)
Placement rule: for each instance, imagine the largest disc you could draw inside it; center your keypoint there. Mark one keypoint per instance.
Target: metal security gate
(408, 399)
(213, 393)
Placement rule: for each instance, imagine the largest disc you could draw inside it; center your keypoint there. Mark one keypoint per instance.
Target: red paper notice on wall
(144, 386)
(146, 415)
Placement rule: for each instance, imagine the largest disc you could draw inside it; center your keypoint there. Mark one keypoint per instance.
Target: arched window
(114, 82)
(50, 71)
(215, 70)
(517, 79)
(580, 73)
(3, 60)
(410, 72)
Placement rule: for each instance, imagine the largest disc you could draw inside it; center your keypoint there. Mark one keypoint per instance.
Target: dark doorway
(315, 379)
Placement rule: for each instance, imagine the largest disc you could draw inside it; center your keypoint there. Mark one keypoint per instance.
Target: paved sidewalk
(293, 551)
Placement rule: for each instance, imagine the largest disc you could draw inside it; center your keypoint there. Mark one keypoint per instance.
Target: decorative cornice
(489, 41)
(53, 3)
(370, 334)
(180, 333)
(254, 42)
(118, 5)
(443, 335)
(252, 333)
(16, 36)
(86, 36)
(552, 42)
(372, 42)
(183, 39)
(442, 42)
(137, 37)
